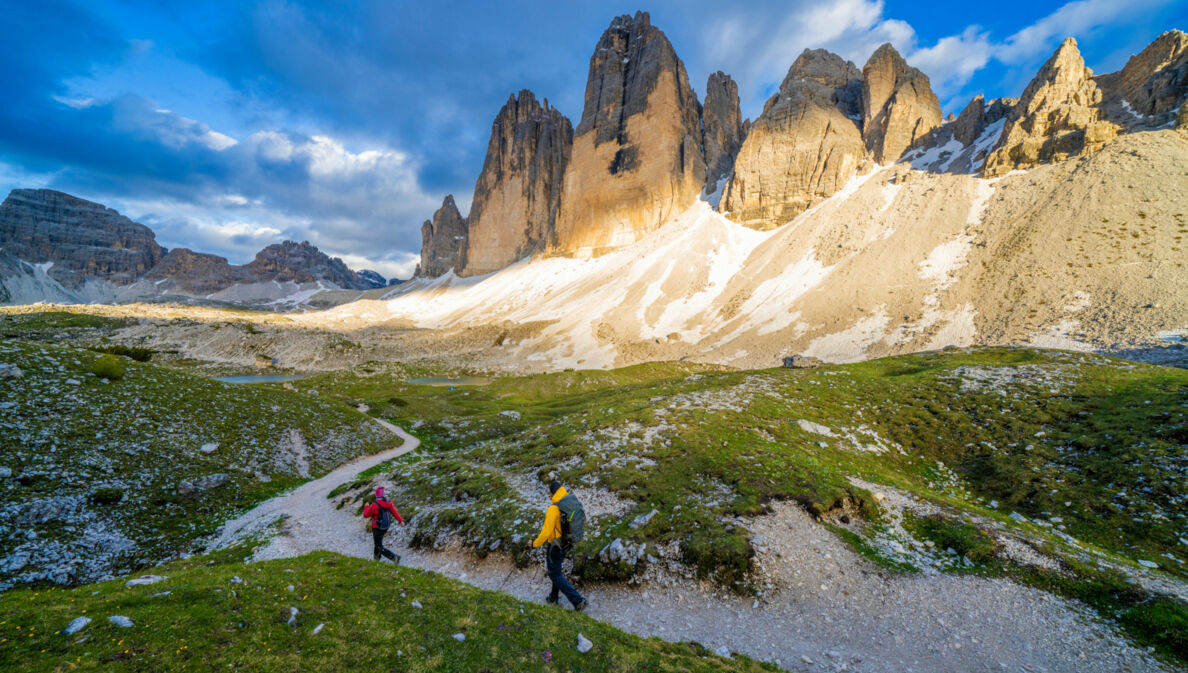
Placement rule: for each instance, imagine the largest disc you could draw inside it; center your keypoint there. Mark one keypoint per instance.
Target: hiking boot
(551, 600)
(582, 604)
(397, 559)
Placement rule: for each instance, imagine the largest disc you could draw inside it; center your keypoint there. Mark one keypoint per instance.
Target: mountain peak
(1058, 116)
(637, 155)
(82, 239)
(518, 193)
(898, 105)
(443, 240)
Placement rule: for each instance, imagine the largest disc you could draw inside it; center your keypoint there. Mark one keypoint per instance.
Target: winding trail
(309, 499)
(824, 607)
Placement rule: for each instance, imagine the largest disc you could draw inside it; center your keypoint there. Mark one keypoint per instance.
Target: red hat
(379, 491)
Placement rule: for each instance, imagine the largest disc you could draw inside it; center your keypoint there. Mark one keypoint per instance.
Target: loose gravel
(823, 607)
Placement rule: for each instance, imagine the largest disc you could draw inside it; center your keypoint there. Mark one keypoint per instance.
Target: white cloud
(400, 265)
(953, 60)
(757, 48)
(1073, 18)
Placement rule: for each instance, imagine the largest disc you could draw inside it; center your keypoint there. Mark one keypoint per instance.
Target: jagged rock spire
(722, 126)
(518, 194)
(1057, 116)
(443, 241)
(636, 158)
(898, 105)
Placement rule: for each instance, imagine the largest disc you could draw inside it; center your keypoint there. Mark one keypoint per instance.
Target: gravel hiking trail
(826, 608)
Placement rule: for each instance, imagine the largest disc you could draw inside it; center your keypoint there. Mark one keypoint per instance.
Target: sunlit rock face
(898, 105)
(637, 159)
(1058, 116)
(518, 194)
(803, 148)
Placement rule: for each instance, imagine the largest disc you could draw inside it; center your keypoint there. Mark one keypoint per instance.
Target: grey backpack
(573, 520)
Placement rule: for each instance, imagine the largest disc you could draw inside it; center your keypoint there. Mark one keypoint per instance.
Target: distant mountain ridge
(645, 146)
(849, 221)
(58, 247)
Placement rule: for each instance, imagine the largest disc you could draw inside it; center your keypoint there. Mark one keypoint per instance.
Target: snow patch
(945, 259)
(850, 345)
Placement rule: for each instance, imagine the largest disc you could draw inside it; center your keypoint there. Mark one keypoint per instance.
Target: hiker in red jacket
(381, 512)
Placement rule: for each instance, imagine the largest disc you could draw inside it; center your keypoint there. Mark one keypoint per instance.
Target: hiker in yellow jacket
(552, 534)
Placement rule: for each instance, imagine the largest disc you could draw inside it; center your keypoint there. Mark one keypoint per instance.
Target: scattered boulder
(5, 472)
(8, 371)
(191, 486)
(120, 621)
(723, 652)
(643, 519)
(618, 552)
(76, 625)
(417, 604)
(815, 428)
(801, 362)
(144, 580)
(15, 561)
(583, 644)
(459, 637)
(514, 415)
(209, 447)
(292, 617)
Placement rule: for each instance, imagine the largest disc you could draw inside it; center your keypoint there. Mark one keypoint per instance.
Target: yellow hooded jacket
(551, 530)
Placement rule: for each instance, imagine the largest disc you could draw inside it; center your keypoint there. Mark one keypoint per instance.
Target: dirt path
(826, 609)
(307, 502)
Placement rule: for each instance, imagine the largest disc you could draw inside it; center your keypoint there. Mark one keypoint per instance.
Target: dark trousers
(378, 536)
(556, 556)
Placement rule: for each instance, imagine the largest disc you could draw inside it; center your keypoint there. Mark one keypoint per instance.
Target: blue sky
(227, 126)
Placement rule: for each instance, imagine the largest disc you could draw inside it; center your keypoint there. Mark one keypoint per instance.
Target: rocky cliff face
(83, 240)
(805, 145)
(978, 115)
(1058, 116)
(636, 158)
(371, 279)
(198, 272)
(1153, 86)
(722, 127)
(302, 263)
(443, 241)
(898, 106)
(80, 238)
(202, 273)
(518, 194)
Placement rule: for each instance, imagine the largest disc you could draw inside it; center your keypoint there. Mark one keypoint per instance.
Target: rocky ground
(823, 607)
(101, 473)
